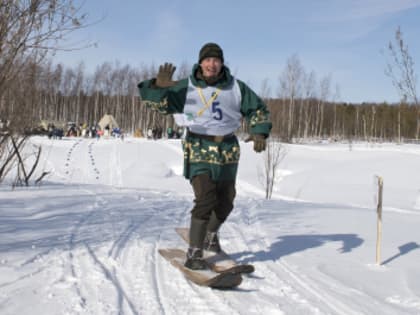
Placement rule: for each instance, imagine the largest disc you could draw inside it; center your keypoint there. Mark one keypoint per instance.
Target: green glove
(259, 142)
(164, 76)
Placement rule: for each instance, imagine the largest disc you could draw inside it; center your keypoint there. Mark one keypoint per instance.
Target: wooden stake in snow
(379, 222)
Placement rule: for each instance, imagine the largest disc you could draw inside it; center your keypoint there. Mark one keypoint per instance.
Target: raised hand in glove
(164, 76)
(259, 142)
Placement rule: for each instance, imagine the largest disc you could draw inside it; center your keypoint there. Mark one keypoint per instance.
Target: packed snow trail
(86, 242)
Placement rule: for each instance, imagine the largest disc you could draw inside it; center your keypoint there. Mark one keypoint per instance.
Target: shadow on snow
(289, 244)
(403, 250)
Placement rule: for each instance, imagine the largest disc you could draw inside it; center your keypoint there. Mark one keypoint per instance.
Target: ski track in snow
(105, 256)
(286, 287)
(296, 291)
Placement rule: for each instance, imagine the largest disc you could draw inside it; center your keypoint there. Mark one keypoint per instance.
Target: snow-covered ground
(86, 241)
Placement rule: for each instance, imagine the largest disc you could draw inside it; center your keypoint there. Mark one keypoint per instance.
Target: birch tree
(309, 83)
(290, 82)
(324, 88)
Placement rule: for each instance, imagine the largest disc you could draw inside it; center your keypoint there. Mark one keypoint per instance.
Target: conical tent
(108, 120)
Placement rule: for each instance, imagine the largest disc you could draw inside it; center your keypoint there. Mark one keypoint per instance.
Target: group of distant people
(83, 130)
(157, 133)
(114, 132)
(154, 133)
(95, 131)
(174, 134)
(54, 132)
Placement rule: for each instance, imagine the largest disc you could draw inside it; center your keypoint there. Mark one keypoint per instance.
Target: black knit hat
(210, 50)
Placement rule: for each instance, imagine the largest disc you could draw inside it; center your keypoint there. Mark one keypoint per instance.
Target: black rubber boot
(214, 223)
(195, 259)
(198, 230)
(211, 241)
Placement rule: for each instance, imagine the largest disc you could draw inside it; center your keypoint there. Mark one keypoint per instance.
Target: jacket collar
(223, 82)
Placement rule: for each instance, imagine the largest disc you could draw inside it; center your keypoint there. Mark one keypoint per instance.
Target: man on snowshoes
(210, 103)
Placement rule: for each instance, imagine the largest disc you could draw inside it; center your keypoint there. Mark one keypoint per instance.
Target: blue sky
(343, 39)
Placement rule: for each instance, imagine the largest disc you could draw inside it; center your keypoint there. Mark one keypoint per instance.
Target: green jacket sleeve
(164, 100)
(255, 111)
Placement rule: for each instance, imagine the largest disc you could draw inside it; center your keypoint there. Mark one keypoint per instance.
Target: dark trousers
(212, 198)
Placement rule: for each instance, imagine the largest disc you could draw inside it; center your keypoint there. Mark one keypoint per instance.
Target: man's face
(211, 66)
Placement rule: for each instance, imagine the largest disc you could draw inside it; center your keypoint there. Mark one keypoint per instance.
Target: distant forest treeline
(33, 88)
(303, 109)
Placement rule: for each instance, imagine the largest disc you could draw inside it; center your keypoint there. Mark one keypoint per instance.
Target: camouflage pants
(212, 198)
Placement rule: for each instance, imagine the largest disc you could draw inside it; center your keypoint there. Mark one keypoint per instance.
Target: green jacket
(219, 159)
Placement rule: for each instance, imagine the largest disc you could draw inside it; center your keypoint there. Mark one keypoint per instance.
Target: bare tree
(265, 91)
(309, 82)
(184, 70)
(324, 88)
(24, 174)
(7, 154)
(273, 156)
(335, 98)
(401, 71)
(14, 155)
(290, 83)
(30, 30)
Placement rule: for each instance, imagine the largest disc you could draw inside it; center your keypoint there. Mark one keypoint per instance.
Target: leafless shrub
(17, 154)
(272, 157)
